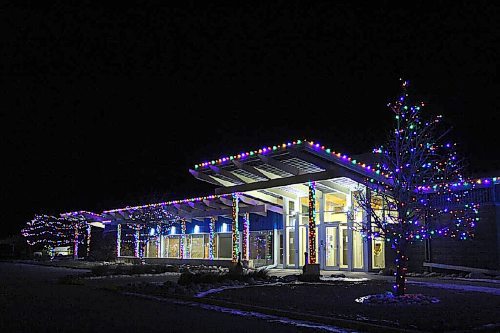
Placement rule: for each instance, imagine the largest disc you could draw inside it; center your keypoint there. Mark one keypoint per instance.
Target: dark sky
(108, 107)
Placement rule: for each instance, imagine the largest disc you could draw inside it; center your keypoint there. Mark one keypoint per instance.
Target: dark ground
(458, 310)
(31, 300)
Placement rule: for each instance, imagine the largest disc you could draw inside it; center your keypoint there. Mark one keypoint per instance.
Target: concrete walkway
(469, 285)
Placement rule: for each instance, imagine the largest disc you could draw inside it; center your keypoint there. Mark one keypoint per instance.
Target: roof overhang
(198, 208)
(280, 169)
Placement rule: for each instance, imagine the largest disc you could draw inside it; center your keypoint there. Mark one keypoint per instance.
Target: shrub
(259, 274)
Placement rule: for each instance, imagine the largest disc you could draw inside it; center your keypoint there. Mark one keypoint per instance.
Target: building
(274, 203)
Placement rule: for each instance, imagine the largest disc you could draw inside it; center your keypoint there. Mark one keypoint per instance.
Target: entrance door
(344, 250)
(331, 248)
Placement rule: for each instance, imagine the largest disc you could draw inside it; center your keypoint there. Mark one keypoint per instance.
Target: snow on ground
(118, 276)
(389, 298)
(342, 279)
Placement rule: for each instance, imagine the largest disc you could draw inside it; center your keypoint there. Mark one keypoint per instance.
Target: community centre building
(271, 205)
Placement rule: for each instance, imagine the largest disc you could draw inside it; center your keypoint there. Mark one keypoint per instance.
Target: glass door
(344, 247)
(331, 248)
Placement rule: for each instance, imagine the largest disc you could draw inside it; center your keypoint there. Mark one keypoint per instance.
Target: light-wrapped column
(235, 238)
(136, 243)
(75, 242)
(312, 222)
(118, 240)
(158, 240)
(183, 239)
(89, 234)
(246, 237)
(211, 236)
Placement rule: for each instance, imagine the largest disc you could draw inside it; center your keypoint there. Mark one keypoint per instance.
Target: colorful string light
(211, 236)
(246, 236)
(235, 232)
(312, 222)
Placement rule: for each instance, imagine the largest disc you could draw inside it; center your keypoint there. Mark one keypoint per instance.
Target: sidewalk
(473, 285)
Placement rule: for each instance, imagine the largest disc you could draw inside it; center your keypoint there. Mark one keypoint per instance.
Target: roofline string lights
(167, 203)
(290, 144)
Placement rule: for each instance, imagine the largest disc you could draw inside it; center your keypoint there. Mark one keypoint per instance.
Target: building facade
(283, 206)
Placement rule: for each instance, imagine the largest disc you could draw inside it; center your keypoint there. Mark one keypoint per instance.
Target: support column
(312, 222)
(284, 232)
(211, 236)
(246, 237)
(118, 240)
(234, 230)
(89, 234)
(183, 239)
(367, 252)
(321, 233)
(137, 242)
(75, 242)
(158, 240)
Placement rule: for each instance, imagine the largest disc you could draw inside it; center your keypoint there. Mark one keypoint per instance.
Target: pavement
(491, 286)
(32, 300)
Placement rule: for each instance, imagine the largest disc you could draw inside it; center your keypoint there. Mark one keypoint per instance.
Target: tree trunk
(401, 267)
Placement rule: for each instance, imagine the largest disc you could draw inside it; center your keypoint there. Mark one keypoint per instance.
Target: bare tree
(422, 194)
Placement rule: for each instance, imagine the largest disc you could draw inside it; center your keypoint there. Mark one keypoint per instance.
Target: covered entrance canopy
(280, 171)
(314, 185)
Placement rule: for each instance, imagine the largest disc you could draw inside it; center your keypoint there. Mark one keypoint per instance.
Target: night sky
(107, 107)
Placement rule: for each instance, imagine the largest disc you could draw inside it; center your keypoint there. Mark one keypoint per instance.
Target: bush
(103, 270)
(259, 274)
(187, 277)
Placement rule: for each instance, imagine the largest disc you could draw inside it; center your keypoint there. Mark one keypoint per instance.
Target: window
(261, 247)
(378, 253)
(357, 249)
(173, 246)
(335, 207)
(196, 246)
(225, 243)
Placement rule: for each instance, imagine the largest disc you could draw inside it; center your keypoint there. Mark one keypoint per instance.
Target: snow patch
(389, 298)
(342, 279)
